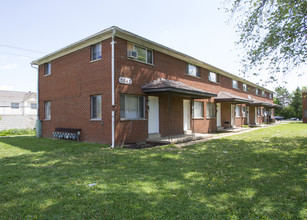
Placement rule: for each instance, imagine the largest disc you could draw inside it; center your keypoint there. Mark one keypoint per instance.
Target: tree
(296, 103)
(282, 96)
(273, 32)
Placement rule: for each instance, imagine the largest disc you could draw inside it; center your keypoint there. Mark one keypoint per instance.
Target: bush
(11, 132)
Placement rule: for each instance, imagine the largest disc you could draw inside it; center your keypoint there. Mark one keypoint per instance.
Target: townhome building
(17, 109)
(118, 87)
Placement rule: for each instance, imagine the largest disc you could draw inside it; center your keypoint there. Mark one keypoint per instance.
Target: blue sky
(31, 29)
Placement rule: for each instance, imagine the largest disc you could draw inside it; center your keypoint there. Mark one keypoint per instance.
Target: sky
(31, 29)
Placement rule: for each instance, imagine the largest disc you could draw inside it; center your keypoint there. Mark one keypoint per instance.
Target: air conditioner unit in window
(132, 54)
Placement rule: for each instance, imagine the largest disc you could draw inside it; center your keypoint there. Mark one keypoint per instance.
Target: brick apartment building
(120, 88)
(304, 99)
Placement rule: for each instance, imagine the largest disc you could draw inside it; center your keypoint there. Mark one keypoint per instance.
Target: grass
(257, 175)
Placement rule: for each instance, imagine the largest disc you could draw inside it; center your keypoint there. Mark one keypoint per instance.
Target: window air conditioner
(132, 54)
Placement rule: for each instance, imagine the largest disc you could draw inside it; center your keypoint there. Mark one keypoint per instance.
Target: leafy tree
(282, 96)
(296, 103)
(273, 32)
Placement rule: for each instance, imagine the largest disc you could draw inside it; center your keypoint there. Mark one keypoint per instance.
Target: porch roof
(166, 86)
(228, 97)
(255, 102)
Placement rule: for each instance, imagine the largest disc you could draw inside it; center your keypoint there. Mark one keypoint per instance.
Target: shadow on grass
(220, 179)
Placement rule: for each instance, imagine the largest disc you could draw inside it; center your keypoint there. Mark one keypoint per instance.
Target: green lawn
(256, 175)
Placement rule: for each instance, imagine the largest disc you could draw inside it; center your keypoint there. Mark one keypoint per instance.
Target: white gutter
(113, 90)
(38, 122)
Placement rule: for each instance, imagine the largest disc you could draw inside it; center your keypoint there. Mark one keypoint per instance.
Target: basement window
(132, 107)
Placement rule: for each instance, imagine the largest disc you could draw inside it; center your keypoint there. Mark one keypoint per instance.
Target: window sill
(236, 88)
(92, 61)
(209, 118)
(199, 118)
(47, 119)
(214, 82)
(133, 119)
(95, 119)
(47, 75)
(140, 61)
(238, 116)
(197, 77)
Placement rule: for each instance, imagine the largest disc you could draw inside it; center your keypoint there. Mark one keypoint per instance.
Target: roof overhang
(230, 98)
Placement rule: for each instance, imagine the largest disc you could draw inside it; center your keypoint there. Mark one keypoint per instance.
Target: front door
(218, 115)
(186, 115)
(233, 112)
(153, 115)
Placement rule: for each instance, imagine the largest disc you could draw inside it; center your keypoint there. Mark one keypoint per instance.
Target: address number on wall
(125, 80)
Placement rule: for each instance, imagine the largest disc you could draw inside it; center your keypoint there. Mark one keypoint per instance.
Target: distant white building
(17, 109)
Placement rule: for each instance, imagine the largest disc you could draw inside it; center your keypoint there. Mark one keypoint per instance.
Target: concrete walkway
(186, 140)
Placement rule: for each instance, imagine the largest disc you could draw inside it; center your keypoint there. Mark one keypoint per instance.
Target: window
(96, 52)
(15, 105)
(272, 111)
(257, 91)
(244, 87)
(192, 70)
(198, 109)
(235, 84)
(132, 107)
(213, 77)
(47, 110)
(243, 111)
(238, 109)
(259, 111)
(144, 54)
(96, 107)
(33, 106)
(271, 96)
(210, 110)
(47, 69)
(263, 93)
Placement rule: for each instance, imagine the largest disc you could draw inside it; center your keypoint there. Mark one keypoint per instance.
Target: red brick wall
(74, 79)
(304, 97)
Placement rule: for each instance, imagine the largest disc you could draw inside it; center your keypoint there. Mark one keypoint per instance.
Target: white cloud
(9, 67)
(6, 87)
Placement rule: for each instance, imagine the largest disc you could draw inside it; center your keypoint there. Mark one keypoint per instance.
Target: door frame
(186, 111)
(233, 112)
(155, 120)
(218, 115)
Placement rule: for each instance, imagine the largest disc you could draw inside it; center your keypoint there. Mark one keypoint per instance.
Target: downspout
(38, 122)
(113, 90)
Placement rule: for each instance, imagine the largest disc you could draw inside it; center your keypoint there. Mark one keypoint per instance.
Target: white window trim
(99, 118)
(216, 77)
(244, 114)
(210, 117)
(135, 119)
(245, 90)
(49, 69)
(202, 117)
(197, 70)
(239, 111)
(45, 118)
(233, 84)
(152, 55)
(91, 50)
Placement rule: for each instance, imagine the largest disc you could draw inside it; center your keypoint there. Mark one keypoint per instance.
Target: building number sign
(125, 80)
